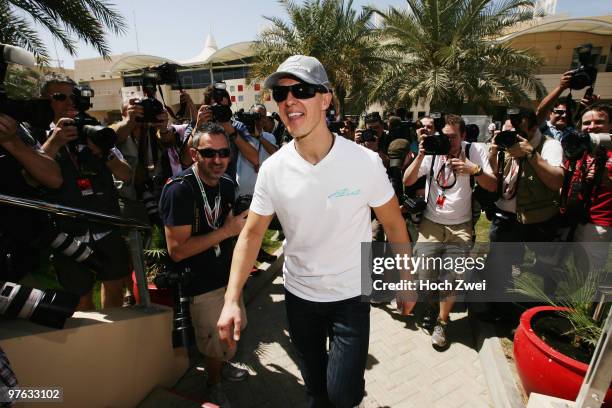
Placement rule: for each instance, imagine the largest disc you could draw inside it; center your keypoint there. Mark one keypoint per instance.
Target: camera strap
(431, 173)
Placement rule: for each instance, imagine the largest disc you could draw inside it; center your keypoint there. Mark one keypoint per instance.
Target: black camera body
(176, 277)
(248, 118)
(335, 126)
(151, 108)
(221, 113)
(438, 144)
(368, 135)
(242, 203)
(586, 74)
(405, 130)
(89, 128)
(151, 77)
(415, 205)
(575, 144)
(506, 139)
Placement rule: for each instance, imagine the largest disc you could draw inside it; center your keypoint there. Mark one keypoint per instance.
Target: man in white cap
(322, 188)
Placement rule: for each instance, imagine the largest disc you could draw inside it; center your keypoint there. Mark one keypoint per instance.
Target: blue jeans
(334, 378)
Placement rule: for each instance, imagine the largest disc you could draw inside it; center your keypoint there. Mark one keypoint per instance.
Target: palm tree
(331, 31)
(446, 54)
(85, 19)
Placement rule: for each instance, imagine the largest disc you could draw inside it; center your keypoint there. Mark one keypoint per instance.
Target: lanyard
(212, 215)
(444, 176)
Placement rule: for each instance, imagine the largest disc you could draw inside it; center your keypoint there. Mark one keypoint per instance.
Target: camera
(415, 205)
(586, 73)
(221, 113)
(438, 144)
(36, 112)
(176, 277)
(335, 126)
(506, 139)
(46, 307)
(575, 143)
(405, 130)
(472, 131)
(151, 108)
(248, 118)
(89, 128)
(150, 79)
(368, 135)
(242, 203)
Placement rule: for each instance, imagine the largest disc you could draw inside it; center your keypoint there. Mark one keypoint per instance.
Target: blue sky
(177, 29)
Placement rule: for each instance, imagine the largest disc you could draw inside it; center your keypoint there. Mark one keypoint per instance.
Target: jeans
(333, 378)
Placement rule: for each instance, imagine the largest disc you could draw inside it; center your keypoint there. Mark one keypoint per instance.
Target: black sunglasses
(59, 97)
(560, 111)
(209, 153)
(299, 90)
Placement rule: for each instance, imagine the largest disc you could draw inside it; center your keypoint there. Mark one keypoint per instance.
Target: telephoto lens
(46, 307)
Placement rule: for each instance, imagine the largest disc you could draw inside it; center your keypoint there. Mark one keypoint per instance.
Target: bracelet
(478, 171)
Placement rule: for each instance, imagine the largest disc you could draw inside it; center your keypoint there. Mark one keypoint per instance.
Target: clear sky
(176, 29)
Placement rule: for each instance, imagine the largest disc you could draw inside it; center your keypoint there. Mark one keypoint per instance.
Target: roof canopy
(592, 25)
(208, 56)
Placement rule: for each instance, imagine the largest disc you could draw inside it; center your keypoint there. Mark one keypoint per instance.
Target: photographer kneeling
(196, 209)
(88, 161)
(446, 228)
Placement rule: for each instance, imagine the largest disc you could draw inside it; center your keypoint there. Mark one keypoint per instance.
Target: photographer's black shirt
(176, 207)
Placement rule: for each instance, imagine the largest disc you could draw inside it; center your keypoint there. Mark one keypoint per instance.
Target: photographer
(155, 151)
(446, 227)
(590, 193)
(196, 210)
(374, 123)
(528, 210)
(560, 117)
(217, 108)
(87, 170)
(264, 142)
(24, 166)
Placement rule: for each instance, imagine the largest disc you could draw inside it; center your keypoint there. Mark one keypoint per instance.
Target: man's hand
(204, 115)
(229, 324)
(64, 132)
(358, 136)
(463, 167)
(566, 78)
(588, 101)
(8, 127)
(134, 111)
(520, 149)
(234, 223)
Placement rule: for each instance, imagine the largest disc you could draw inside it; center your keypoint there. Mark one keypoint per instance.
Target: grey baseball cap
(305, 68)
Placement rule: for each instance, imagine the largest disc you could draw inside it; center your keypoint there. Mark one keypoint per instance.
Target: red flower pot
(543, 369)
(159, 296)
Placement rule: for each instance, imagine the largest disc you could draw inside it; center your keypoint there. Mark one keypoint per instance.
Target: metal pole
(599, 375)
(138, 262)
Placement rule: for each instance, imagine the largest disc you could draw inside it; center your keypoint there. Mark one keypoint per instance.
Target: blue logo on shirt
(345, 192)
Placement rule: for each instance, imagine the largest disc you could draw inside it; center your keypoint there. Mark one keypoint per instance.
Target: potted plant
(155, 259)
(554, 344)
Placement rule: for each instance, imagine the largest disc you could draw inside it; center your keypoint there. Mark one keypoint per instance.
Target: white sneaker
(216, 395)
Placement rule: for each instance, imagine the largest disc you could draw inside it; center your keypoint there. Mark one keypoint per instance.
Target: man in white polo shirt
(446, 228)
(322, 188)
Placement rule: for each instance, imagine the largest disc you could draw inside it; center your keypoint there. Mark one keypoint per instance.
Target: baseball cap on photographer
(305, 68)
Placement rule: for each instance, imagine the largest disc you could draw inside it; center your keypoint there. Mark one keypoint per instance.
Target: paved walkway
(403, 369)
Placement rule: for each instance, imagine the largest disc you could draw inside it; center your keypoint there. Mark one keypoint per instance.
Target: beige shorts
(205, 311)
(443, 241)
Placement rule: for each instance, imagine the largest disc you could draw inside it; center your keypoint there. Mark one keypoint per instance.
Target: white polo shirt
(325, 213)
(457, 205)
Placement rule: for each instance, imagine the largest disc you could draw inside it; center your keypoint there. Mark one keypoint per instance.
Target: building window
(257, 87)
(233, 97)
(240, 98)
(232, 88)
(595, 54)
(420, 114)
(609, 66)
(240, 88)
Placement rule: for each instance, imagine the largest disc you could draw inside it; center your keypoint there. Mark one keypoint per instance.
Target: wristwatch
(531, 154)
(479, 171)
